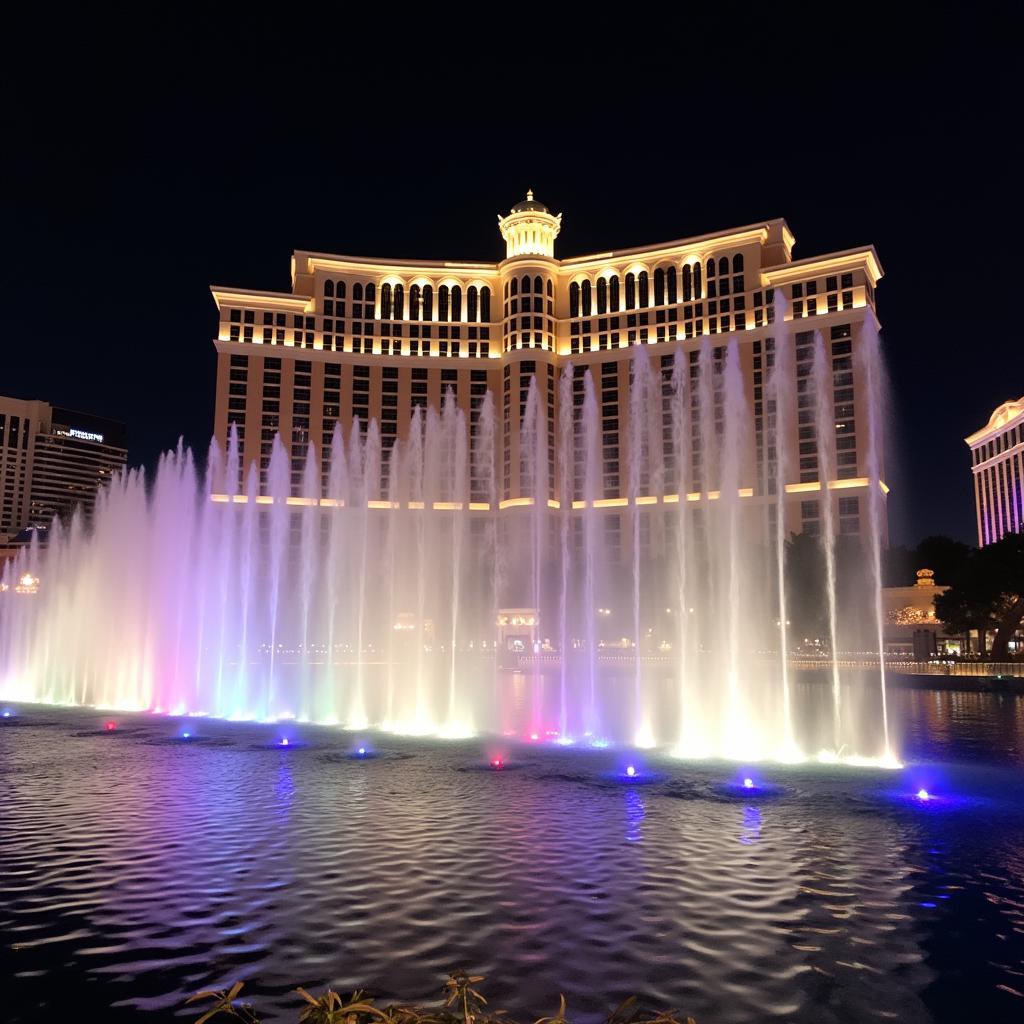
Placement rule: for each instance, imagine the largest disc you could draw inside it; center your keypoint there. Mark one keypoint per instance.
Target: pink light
(497, 763)
(110, 726)
(534, 736)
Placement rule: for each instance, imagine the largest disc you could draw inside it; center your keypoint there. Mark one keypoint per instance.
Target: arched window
(357, 292)
(687, 283)
(515, 285)
(526, 282)
(370, 292)
(456, 302)
(574, 299)
(585, 298)
(644, 290)
(414, 302)
(630, 292)
(723, 266)
(659, 287)
(538, 286)
(711, 269)
(428, 302)
(341, 290)
(737, 263)
(673, 293)
(602, 295)
(613, 294)
(385, 302)
(551, 290)
(329, 289)
(485, 305)
(442, 302)
(399, 301)
(697, 292)
(471, 303)
(506, 289)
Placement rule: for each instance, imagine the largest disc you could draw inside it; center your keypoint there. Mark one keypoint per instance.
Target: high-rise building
(52, 460)
(997, 462)
(376, 338)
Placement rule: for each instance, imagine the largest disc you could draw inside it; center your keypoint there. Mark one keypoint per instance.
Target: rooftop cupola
(530, 229)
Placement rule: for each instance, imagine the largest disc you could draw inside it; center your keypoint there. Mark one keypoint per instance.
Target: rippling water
(137, 868)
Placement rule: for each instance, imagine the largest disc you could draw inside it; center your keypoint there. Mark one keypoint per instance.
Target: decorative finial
(529, 195)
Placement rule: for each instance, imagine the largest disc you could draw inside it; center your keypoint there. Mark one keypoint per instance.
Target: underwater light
(186, 735)
(497, 763)
(283, 742)
(361, 751)
(110, 726)
(748, 783)
(534, 736)
(631, 771)
(923, 794)
(7, 712)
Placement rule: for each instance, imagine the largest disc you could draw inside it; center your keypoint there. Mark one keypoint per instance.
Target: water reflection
(750, 830)
(634, 815)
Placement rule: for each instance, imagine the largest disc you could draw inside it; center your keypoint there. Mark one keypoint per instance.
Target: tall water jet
(566, 456)
(591, 488)
(821, 378)
(872, 381)
(781, 393)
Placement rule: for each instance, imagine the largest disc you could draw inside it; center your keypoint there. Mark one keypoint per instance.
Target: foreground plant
(463, 1004)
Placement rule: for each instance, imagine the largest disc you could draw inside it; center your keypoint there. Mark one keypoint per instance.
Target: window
(428, 303)
(442, 302)
(613, 294)
(414, 302)
(585, 297)
(630, 292)
(385, 302)
(399, 302)
(602, 295)
(574, 299)
(687, 283)
(485, 305)
(643, 289)
(471, 304)
(456, 302)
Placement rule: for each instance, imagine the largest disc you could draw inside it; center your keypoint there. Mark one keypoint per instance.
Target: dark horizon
(174, 162)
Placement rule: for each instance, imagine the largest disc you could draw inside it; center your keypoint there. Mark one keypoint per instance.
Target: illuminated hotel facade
(997, 462)
(53, 460)
(375, 338)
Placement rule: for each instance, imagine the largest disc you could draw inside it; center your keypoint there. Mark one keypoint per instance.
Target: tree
(988, 594)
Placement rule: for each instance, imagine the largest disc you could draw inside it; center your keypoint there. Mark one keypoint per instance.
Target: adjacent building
(375, 338)
(997, 462)
(52, 460)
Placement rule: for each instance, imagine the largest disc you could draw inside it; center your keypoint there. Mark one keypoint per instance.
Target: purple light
(631, 771)
(186, 735)
(748, 783)
(284, 741)
(923, 794)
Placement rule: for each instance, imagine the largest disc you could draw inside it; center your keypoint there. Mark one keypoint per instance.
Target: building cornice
(681, 246)
(252, 297)
(1001, 420)
(313, 261)
(863, 257)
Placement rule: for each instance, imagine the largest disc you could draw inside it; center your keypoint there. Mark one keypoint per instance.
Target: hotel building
(52, 460)
(997, 462)
(375, 338)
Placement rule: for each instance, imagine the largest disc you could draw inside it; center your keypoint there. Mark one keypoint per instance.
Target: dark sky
(148, 159)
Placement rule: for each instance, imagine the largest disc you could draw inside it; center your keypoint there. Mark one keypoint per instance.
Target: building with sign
(52, 460)
(378, 338)
(997, 462)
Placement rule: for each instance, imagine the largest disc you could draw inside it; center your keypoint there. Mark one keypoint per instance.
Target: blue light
(362, 750)
(923, 794)
(186, 735)
(748, 783)
(284, 741)
(8, 713)
(631, 771)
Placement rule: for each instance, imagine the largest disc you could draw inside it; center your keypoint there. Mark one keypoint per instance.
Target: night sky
(146, 160)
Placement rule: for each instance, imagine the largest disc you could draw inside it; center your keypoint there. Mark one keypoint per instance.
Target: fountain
(364, 591)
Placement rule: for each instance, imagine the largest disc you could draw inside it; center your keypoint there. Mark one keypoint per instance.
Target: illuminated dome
(530, 229)
(529, 203)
